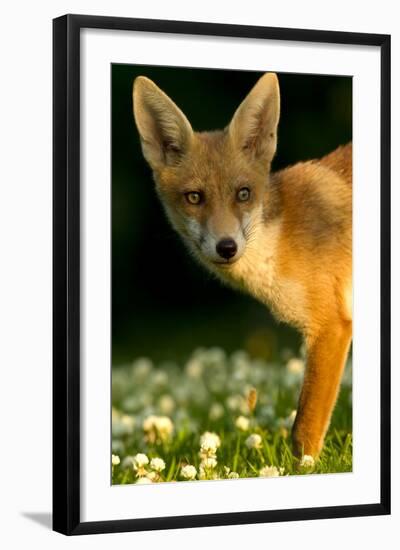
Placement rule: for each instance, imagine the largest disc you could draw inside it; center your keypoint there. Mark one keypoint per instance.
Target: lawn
(217, 417)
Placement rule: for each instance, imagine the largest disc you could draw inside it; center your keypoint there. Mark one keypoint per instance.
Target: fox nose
(226, 248)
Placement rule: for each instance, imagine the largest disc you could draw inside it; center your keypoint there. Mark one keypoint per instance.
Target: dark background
(163, 303)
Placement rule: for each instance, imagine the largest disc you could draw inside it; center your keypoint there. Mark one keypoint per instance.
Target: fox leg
(326, 358)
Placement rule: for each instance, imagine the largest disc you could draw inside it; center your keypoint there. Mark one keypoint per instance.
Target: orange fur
(294, 230)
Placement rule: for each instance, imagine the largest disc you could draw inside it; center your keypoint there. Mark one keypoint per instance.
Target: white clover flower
(123, 425)
(149, 423)
(209, 443)
(139, 462)
(160, 378)
(229, 474)
(295, 366)
(235, 402)
(207, 453)
(207, 473)
(157, 464)
(142, 367)
(209, 463)
(210, 440)
(266, 413)
(307, 461)
(143, 481)
(240, 372)
(182, 394)
(157, 428)
(215, 356)
(218, 380)
(166, 404)
(117, 446)
(127, 462)
(118, 429)
(131, 403)
(240, 362)
(253, 441)
(153, 476)
(115, 414)
(115, 460)
(271, 471)
(216, 411)
(207, 468)
(242, 423)
(258, 373)
(188, 472)
(194, 368)
(164, 427)
(203, 474)
(128, 421)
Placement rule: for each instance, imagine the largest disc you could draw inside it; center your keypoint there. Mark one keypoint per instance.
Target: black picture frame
(66, 273)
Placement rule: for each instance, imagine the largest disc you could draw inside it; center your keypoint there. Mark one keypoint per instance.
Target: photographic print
(231, 274)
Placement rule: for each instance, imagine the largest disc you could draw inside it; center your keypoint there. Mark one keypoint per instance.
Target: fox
(283, 237)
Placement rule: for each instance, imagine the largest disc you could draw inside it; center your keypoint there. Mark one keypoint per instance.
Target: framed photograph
(221, 274)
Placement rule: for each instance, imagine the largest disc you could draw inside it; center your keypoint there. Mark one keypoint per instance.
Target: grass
(162, 411)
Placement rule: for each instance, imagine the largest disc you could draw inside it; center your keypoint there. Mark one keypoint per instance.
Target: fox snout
(223, 234)
(223, 250)
(226, 248)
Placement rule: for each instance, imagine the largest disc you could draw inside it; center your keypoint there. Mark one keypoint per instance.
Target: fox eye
(193, 197)
(243, 194)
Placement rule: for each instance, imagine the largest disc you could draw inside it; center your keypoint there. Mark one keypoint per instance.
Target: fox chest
(284, 296)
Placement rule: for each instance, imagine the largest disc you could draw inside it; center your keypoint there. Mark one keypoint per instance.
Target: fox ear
(165, 132)
(254, 125)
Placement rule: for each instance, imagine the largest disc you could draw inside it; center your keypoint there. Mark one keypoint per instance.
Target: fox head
(211, 184)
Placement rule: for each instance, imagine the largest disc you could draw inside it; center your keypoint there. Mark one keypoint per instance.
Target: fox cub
(283, 237)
